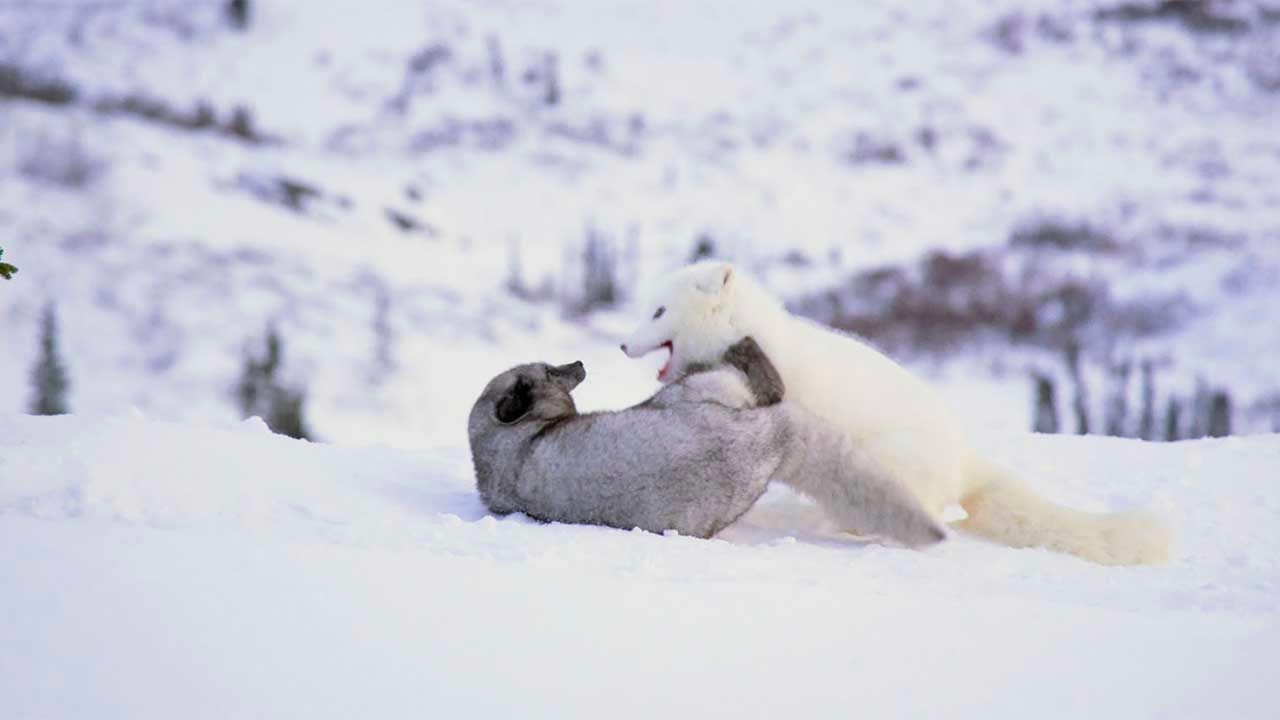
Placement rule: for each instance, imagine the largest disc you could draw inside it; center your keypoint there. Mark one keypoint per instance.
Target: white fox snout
(645, 339)
(637, 351)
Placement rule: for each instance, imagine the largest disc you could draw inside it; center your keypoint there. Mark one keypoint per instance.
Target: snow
(160, 569)
(164, 559)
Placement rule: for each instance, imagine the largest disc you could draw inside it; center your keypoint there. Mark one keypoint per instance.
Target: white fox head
(692, 316)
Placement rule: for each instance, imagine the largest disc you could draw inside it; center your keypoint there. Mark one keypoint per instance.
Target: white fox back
(877, 402)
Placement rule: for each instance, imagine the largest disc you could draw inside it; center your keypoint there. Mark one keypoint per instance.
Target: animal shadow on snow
(782, 513)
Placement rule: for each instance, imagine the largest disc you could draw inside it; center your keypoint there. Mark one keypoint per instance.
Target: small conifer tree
(260, 392)
(6, 270)
(238, 14)
(241, 124)
(1117, 412)
(599, 272)
(704, 247)
(49, 376)
(1046, 405)
(1080, 404)
(1147, 418)
(1218, 423)
(551, 78)
(286, 414)
(1173, 420)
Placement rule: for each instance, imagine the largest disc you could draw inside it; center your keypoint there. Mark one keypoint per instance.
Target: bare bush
(516, 283)
(409, 224)
(551, 79)
(1218, 422)
(592, 277)
(241, 125)
(421, 75)
(1010, 293)
(1061, 234)
(19, 82)
(864, 148)
(202, 116)
(481, 133)
(1173, 420)
(292, 193)
(497, 65)
(383, 362)
(1045, 413)
(703, 248)
(261, 392)
(49, 380)
(1080, 403)
(1203, 16)
(1147, 418)
(622, 137)
(1210, 412)
(599, 272)
(1117, 412)
(238, 14)
(61, 161)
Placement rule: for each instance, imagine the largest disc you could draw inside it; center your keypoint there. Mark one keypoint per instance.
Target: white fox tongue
(671, 355)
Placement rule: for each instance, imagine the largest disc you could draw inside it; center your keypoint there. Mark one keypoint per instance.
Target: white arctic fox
(701, 310)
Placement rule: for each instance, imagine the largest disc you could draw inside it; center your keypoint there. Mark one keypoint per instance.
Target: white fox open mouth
(671, 356)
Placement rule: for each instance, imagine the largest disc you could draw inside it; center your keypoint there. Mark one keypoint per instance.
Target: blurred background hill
(1066, 213)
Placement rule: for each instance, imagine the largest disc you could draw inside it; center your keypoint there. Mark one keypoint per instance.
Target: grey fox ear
(516, 403)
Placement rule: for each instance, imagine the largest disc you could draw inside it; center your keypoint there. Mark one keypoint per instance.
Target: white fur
(895, 416)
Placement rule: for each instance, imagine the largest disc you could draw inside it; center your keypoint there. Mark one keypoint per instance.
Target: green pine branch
(6, 270)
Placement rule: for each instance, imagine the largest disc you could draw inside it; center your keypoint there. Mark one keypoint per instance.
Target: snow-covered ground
(155, 569)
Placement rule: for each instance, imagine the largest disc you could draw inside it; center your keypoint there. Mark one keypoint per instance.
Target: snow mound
(155, 569)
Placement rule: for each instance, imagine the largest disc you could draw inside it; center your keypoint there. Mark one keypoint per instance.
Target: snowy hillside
(385, 181)
(157, 570)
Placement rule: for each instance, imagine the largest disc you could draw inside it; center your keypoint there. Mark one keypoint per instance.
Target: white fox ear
(716, 279)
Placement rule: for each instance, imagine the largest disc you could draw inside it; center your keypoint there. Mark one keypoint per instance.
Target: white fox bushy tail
(1003, 508)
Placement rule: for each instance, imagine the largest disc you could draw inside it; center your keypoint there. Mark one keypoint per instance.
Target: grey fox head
(536, 391)
(514, 407)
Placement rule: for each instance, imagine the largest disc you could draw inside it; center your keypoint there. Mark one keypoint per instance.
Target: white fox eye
(658, 313)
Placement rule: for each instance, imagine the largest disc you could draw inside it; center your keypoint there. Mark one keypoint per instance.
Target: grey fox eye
(657, 314)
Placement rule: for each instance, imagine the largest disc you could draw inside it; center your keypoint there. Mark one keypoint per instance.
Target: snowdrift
(155, 569)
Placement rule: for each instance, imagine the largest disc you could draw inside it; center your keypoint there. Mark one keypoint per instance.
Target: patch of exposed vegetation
(59, 160)
(292, 193)
(261, 392)
(1209, 412)
(1202, 16)
(21, 83)
(1049, 288)
(18, 82)
(1061, 234)
(1010, 294)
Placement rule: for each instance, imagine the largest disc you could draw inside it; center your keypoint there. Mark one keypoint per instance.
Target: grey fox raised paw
(763, 378)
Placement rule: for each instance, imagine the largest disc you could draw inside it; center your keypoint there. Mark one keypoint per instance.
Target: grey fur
(692, 458)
